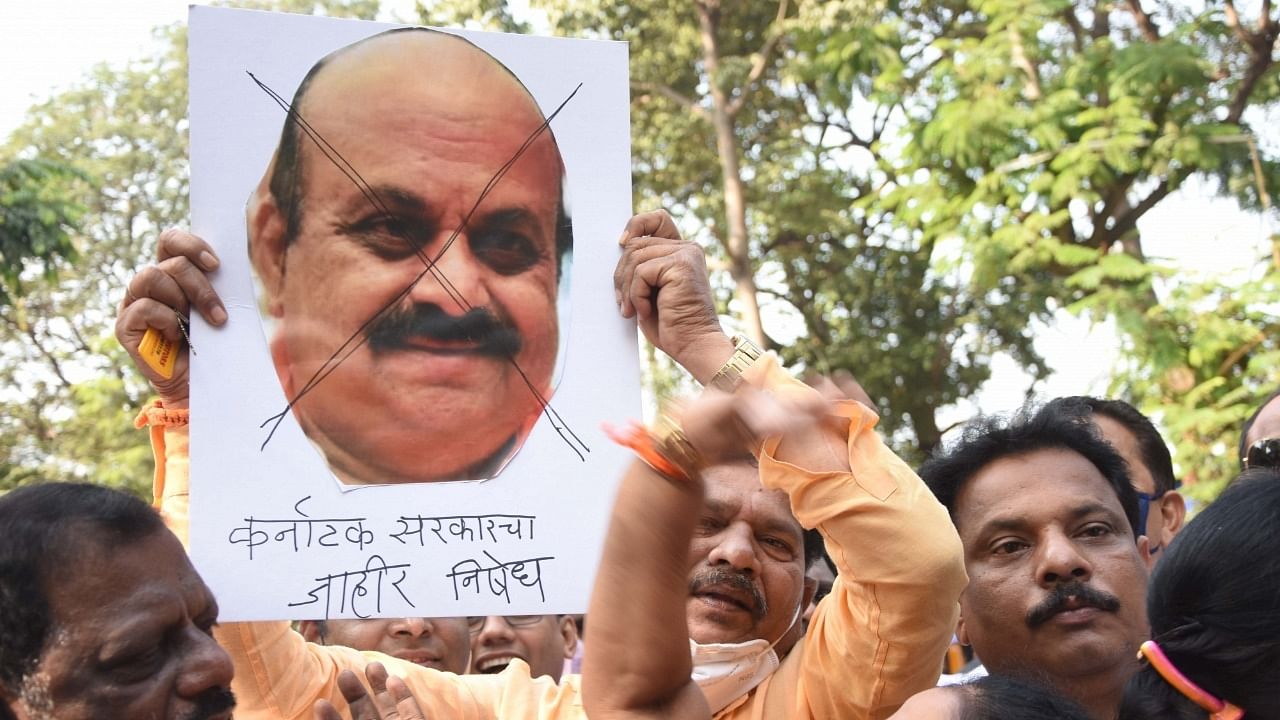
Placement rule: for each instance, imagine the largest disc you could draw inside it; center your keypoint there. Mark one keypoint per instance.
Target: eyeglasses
(475, 623)
(1144, 509)
(1263, 454)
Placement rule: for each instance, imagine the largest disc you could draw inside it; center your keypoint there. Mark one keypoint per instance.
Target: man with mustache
(1057, 565)
(412, 303)
(102, 616)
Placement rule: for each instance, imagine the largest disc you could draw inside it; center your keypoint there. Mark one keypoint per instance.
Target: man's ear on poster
(266, 229)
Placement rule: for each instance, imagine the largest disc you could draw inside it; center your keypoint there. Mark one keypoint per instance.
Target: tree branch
(1019, 53)
(761, 61)
(674, 96)
(1233, 21)
(30, 332)
(1077, 30)
(1101, 19)
(1260, 61)
(1237, 354)
(1130, 219)
(1145, 25)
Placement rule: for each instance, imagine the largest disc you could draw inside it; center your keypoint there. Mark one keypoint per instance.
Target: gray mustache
(736, 580)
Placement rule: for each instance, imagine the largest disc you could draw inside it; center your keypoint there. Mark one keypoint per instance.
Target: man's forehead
(1125, 443)
(733, 489)
(429, 91)
(417, 60)
(1048, 483)
(143, 581)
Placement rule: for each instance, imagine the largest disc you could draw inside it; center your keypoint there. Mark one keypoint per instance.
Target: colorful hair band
(1220, 709)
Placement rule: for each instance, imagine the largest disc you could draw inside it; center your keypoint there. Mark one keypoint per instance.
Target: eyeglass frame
(475, 623)
(1144, 508)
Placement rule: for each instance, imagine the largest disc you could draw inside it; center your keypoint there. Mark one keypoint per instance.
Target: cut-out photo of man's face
(410, 240)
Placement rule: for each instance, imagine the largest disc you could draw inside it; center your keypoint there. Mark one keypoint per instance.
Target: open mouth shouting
(495, 662)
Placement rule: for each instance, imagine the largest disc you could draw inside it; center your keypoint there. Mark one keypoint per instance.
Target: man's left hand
(391, 699)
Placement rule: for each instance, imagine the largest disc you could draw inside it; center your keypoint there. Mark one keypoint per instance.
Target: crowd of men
(1052, 540)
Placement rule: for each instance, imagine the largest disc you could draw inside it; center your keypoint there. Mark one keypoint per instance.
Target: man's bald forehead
(433, 54)
(406, 56)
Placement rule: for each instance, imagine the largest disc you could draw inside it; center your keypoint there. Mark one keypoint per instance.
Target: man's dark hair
(1214, 607)
(1060, 426)
(1155, 454)
(1248, 425)
(1000, 697)
(43, 528)
(288, 177)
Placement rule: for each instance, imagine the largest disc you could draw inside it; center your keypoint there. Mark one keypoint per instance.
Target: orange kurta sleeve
(281, 675)
(880, 636)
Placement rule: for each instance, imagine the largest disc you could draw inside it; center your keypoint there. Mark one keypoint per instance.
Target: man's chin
(1082, 653)
(705, 629)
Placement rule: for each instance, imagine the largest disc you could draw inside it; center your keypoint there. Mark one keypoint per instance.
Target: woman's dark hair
(1214, 607)
(999, 697)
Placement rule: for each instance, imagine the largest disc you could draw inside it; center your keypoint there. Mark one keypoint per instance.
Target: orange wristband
(645, 444)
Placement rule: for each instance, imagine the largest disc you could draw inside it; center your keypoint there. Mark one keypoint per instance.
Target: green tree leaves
(38, 219)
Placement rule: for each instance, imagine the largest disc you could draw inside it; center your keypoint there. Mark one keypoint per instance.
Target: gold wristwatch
(745, 353)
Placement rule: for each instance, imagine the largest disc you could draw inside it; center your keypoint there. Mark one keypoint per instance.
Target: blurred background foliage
(904, 190)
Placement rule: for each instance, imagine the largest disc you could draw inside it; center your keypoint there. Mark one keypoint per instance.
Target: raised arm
(637, 662)
(880, 635)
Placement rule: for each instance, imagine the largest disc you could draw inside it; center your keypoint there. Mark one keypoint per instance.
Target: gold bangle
(745, 353)
(675, 447)
(665, 448)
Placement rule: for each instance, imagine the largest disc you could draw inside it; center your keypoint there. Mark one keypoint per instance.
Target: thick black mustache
(736, 580)
(489, 335)
(211, 702)
(1056, 602)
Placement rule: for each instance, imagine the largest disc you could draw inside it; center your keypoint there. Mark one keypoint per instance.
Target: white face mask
(727, 671)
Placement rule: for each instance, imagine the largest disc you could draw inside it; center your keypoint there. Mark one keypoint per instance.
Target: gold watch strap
(745, 353)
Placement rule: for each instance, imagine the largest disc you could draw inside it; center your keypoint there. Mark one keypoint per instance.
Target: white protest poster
(402, 415)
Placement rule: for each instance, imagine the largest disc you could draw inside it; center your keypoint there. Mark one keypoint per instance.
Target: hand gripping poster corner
(402, 415)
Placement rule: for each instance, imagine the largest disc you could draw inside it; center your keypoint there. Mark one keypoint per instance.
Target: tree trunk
(735, 240)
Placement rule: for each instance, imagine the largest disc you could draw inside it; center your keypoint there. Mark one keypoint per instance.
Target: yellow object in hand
(158, 352)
